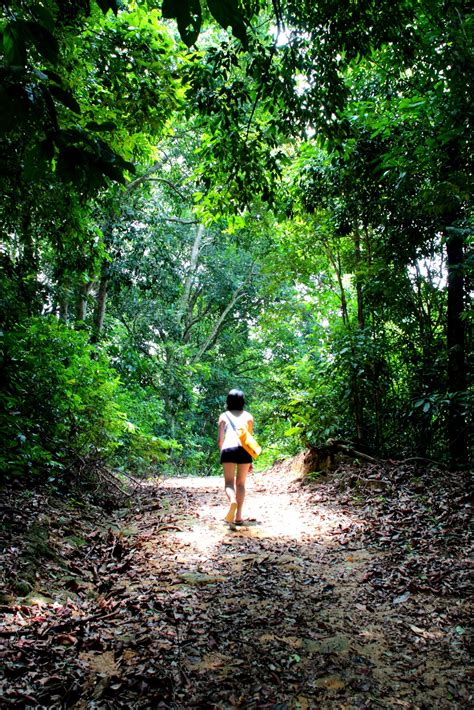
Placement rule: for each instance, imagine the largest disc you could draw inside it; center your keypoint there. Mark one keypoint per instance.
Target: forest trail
(291, 611)
(278, 613)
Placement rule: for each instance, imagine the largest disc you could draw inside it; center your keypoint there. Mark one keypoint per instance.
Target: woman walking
(235, 460)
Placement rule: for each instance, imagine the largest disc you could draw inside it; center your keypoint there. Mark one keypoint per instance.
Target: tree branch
(146, 176)
(215, 331)
(177, 220)
(183, 305)
(170, 184)
(239, 293)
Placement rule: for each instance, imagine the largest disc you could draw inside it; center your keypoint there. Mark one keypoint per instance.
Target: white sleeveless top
(231, 440)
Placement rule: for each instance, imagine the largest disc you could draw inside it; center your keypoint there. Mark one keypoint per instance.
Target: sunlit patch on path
(270, 510)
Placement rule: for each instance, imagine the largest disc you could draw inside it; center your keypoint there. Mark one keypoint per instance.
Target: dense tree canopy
(199, 195)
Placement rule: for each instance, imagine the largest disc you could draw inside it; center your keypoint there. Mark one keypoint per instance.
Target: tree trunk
(336, 265)
(360, 303)
(355, 389)
(239, 293)
(101, 302)
(64, 309)
(28, 267)
(183, 313)
(81, 308)
(456, 346)
(358, 410)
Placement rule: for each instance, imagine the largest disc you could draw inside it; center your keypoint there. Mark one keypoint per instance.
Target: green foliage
(298, 227)
(140, 451)
(40, 129)
(62, 406)
(58, 401)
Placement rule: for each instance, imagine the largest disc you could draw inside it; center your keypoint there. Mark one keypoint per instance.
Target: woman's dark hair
(235, 400)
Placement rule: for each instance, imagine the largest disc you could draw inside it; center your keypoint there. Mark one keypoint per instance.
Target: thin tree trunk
(28, 268)
(456, 347)
(335, 263)
(81, 308)
(215, 331)
(360, 303)
(358, 409)
(64, 309)
(101, 302)
(355, 389)
(185, 300)
(356, 395)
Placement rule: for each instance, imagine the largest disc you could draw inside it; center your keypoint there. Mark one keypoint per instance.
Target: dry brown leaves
(342, 594)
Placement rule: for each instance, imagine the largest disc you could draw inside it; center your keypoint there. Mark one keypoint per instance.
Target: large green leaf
(44, 17)
(66, 98)
(100, 127)
(187, 14)
(42, 39)
(11, 107)
(14, 46)
(37, 159)
(106, 5)
(228, 14)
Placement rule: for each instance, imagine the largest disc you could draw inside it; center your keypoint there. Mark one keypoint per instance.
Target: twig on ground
(169, 527)
(110, 478)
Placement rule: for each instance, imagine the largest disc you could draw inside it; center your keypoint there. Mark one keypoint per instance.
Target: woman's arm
(221, 434)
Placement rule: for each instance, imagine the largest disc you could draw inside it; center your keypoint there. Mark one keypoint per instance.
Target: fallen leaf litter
(333, 596)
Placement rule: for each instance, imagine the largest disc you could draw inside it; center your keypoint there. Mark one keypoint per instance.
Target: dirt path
(287, 612)
(280, 613)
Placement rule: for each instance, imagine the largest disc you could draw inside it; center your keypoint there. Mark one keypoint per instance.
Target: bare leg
(242, 470)
(229, 475)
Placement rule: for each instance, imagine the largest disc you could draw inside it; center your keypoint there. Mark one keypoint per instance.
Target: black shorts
(236, 454)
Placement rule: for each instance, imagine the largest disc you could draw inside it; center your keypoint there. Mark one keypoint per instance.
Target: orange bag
(247, 441)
